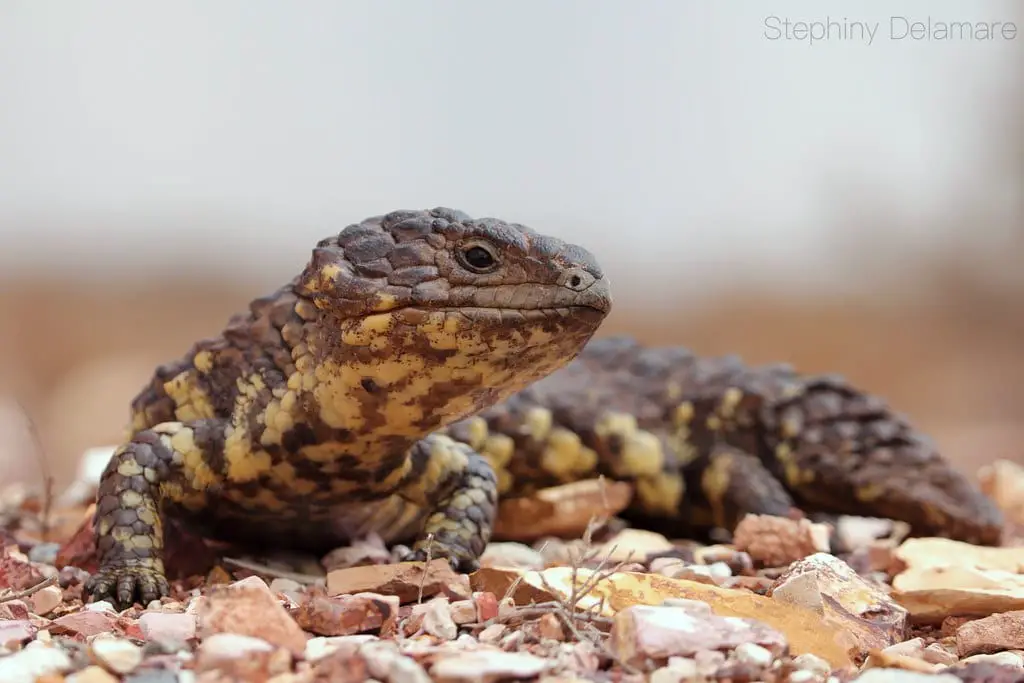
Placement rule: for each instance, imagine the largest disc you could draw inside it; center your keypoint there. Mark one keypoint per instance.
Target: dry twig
(49, 581)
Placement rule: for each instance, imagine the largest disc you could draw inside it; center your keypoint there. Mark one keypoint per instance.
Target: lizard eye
(478, 257)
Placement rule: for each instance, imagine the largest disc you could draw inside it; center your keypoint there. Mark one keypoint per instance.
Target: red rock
(345, 615)
(992, 634)
(80, 549)
(83, 624)
(251, 611)
(16, 572)
(779, 541)
(402, 579)
(14, 609)
(486, 605)
(341, 667)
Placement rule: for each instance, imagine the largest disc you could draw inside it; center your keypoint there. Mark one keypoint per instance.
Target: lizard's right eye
(478, 258)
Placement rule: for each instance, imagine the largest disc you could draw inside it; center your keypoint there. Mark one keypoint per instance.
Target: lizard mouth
(585, 314)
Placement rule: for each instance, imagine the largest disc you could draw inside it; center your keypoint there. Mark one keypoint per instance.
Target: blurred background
(845, 202)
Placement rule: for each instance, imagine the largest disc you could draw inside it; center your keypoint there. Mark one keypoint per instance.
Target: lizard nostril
(575, 281)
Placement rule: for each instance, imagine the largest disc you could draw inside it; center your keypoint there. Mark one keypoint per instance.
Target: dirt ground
(74, 357)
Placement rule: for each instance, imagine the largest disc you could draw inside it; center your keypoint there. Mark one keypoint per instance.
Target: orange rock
(942, 578)
(806, 630)
(562, 511)
(828, 585)
(1003, 481)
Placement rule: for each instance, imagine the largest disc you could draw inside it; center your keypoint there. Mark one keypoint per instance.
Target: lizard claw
(122, 584)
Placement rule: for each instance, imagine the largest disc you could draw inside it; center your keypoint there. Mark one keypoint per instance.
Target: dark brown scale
(851, 453)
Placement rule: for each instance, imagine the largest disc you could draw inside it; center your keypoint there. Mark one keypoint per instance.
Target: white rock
(754, 654)
(384, 662)
(231, 645)
(888, 675)
(33, 662)
(487, 666)
(1011, 659)
(813, 663)
(101, 606)
(116, 654)
(437, 619)
(321, 646)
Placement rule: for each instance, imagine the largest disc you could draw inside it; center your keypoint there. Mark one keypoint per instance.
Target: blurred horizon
(842, 206)
(672, 139)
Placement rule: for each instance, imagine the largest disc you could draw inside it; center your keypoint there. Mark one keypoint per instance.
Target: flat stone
(402, 579)
(942, 578)
(562, 511)
(644, 632)
(84, 624)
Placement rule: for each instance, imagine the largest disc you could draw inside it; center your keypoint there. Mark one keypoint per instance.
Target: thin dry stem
(49, 581)
(426, 567)
(44, 467)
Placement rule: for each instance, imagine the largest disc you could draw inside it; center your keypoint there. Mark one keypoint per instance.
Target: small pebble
(116, 654)
(437, 620)
(1011, 659)
(101, 606)
(44, 553)
(812, 663)
(167, 626)
(92, 674)
(754, 654)
(34, 662)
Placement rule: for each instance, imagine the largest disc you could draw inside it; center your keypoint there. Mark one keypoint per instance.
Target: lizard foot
(123, 583)
(461, 558)
(462, 492)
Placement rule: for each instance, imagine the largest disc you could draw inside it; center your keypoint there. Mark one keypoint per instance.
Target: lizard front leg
(459, 489)
(168, 458)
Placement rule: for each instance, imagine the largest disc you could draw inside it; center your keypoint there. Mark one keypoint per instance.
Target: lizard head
(440, 314)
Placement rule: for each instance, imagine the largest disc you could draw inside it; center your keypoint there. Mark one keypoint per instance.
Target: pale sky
(668, 137)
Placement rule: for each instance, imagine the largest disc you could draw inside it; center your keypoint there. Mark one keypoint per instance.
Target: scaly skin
(706, 440)
(381, 390)
(317, 416)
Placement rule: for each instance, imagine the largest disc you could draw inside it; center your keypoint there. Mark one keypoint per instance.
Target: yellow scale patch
(190, 400)
(642, 453)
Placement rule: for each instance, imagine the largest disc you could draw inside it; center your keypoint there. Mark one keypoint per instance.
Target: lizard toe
(126, 585)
